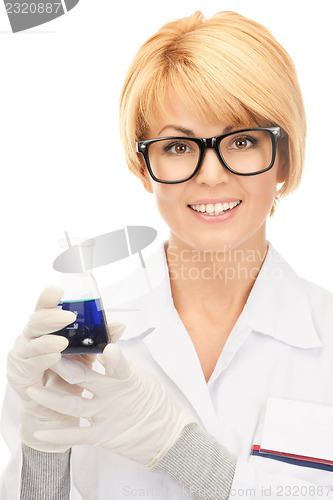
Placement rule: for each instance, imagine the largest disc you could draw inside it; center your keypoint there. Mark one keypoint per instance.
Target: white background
(62, 166)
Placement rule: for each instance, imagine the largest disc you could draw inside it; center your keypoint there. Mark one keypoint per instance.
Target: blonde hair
(226, 68)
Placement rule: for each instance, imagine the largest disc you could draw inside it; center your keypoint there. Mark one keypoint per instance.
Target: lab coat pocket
(296, 432)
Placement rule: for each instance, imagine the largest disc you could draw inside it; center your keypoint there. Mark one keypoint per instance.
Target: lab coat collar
(278, 304)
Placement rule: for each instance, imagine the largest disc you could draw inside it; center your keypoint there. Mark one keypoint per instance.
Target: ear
(283, 170)
(283, 161)
(145, 177)
(147, 184)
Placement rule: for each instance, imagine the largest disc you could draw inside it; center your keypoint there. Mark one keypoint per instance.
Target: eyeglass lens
(243, 152)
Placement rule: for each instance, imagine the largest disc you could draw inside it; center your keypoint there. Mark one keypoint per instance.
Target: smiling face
(181, 205)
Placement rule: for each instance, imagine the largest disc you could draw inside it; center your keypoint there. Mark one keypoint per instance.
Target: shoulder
(320, 298)
(304, 302)
(321, 307)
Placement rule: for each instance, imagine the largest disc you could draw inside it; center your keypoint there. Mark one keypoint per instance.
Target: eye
(242, 143)
(178, 148)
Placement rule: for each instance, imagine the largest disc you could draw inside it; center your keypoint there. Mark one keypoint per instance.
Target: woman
(212, 121)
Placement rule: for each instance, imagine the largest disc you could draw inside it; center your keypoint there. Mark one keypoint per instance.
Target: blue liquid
(88, 333)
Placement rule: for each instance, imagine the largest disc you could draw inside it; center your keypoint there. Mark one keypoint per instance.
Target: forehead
(177, 110)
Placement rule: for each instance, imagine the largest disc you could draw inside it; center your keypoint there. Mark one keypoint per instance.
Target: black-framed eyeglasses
(249, 151)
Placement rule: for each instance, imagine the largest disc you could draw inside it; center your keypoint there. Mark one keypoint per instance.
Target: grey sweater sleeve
(45, 475)
(198, 463)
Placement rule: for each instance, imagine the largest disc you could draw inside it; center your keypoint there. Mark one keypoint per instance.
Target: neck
(210, 282)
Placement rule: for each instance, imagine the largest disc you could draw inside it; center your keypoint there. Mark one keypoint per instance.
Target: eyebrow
(189, 132)
(185, 131)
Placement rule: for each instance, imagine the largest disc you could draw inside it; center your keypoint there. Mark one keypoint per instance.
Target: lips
(213, 201)
(212, 214)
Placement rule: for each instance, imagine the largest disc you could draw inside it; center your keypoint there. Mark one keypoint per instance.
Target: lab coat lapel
(172, 349)
(152, 318)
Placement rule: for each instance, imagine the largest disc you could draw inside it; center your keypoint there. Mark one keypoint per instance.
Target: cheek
(167, 194)
(168, 199)
(261, 189)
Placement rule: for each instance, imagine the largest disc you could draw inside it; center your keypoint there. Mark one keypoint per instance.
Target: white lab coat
(281, 345)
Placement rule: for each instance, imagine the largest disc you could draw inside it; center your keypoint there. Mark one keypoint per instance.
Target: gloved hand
(131, 413)
(29, 361)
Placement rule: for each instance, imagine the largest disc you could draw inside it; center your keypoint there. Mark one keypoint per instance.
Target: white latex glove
(28, 363)
(131, 413)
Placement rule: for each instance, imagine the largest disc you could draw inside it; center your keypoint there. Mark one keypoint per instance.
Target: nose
(212, 170)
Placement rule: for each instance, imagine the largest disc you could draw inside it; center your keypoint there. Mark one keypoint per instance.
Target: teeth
(216, 209)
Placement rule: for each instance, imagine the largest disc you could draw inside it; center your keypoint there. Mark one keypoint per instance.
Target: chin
(204, 243)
